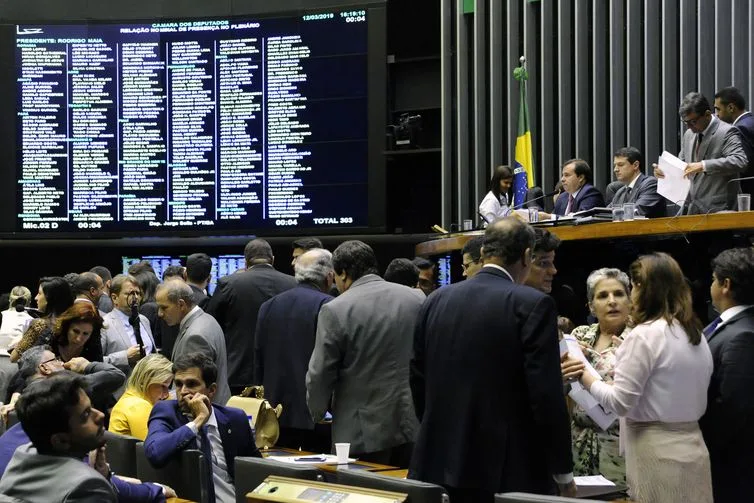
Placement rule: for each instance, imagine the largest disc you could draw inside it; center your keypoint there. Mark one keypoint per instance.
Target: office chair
(418, 492)
(250, 472)
(185, 474)
(121, 453)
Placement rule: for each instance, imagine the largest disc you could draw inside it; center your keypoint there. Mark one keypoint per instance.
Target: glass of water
(618, 214)
(629, 210)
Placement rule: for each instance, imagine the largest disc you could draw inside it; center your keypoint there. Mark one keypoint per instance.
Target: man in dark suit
(714, 155)
(730, 106)
(235, 305)
(579, 193)
(198, 331)
(728, 423)
(285, 333)
(198, 272)
(637, 188)
(194, 422)
(486, 380)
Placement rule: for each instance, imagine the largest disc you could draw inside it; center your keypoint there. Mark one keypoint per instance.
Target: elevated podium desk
(672, 227)
(692, 240)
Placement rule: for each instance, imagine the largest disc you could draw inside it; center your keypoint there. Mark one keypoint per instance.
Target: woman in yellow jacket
(149, 383)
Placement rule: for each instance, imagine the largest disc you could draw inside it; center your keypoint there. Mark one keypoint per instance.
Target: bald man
(198, 331)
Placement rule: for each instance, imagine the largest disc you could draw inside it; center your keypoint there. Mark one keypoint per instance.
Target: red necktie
(570, 204)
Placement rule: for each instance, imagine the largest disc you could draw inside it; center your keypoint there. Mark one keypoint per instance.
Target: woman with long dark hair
(53, 298)
(659, 388)
(496, 204)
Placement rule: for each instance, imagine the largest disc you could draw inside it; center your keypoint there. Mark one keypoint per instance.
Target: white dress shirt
(493, 208)
(659, 376)
(129, 329)
(225, 491)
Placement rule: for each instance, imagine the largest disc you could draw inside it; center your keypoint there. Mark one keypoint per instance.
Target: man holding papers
(714, 156)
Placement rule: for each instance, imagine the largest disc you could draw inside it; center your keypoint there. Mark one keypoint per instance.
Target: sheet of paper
(603, 418)
(593, 480)
(674, 187)
(569, 344)
(311, 459)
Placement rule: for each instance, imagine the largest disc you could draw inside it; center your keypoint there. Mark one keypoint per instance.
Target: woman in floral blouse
(595, 450)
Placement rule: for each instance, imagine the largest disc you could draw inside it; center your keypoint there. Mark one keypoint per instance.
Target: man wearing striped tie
(728, 423)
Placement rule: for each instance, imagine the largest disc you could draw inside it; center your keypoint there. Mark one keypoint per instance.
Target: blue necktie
(206, 449)
(710, 329)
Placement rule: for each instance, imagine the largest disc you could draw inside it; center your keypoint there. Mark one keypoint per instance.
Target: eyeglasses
(56, 359)
(466, 265)
(692, 122)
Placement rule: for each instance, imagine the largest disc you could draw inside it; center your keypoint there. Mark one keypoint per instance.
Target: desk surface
(356, 465)
(609, 230)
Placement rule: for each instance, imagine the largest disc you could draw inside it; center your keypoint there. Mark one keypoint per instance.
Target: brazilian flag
(523, 168)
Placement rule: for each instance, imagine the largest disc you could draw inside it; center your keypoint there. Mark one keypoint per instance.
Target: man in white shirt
(730, 107)
(194, 422)
(728, 423)
(120, 346)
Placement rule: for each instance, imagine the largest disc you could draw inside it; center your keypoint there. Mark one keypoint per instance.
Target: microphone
(525, 203)
(742, 179)
(135, 323)
(483, 217)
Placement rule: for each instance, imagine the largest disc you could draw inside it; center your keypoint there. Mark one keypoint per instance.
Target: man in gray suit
(361, 357)
(637, 188)
(714, 155)
(120, 346)
(199, 332)
(63, 427)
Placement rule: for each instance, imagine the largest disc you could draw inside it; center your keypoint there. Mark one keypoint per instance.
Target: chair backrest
(121, 453)
(418, 492)
(536, 498)
(250, 472)
(185, 474)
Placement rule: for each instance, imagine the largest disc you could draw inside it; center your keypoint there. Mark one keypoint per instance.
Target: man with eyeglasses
(472, 257)
(39, 362)
(714, 155)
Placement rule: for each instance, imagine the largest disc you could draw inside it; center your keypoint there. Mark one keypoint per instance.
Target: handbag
(263, 417)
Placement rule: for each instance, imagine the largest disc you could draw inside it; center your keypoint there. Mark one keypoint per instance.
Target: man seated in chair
(58, 417)
(194, 422)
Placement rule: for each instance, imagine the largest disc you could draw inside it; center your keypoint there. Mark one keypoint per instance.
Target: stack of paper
(674, 187)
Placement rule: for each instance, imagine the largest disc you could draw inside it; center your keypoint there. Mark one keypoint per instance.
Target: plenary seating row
(185, 475)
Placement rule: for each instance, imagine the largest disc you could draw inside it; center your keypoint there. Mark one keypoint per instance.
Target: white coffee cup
(341, 451)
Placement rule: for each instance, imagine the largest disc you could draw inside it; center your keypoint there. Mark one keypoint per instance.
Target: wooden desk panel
(674, 226)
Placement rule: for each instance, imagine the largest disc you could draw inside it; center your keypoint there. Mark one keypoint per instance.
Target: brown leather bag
(263, 417)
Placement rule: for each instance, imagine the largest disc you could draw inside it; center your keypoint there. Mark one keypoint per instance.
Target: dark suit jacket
(589, 197)
(168, 434)
(145, 492)
(728, 423)
(745, 126)
(201, 299)
(644, 195)
(235, 306)
(285, 334)
(487, 385)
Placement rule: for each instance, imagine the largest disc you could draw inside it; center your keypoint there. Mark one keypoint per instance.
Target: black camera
(405, 134)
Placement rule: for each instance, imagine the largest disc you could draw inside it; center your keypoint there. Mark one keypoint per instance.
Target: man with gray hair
(285, 333)
(198, 331)
(235, 305)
